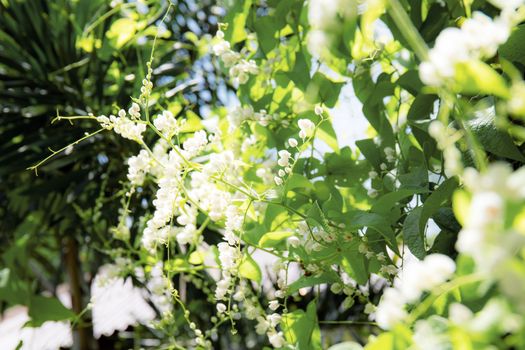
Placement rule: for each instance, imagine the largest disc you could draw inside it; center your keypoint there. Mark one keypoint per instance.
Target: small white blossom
(221, 308)
(284, 158)
(276, 339)
(273, 305)
(294, 241)
(306, 127)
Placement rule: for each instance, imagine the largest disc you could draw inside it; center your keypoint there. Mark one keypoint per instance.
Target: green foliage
(273, 177)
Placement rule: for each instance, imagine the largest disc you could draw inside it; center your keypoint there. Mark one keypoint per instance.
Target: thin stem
(54, 153)
(407, 28)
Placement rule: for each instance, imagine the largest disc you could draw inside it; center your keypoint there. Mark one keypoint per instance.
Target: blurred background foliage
(75, 57)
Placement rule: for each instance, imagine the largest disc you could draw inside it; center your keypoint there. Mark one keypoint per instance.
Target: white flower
(274, 319)
(222, 288)
(390, 309)
(390, 154)
(116, 303)
(438, 269)
(50, 335)
(284, 158)
(276, 339)
(138, 167)
(134, 111)
(196, 143)
(459, 313)
(483, 35)
(478, 38)
(388, 269)
(426, 336)
(124, 126)
(294, 241)
(419, 276)
(485, 208)
(159, 287)
(273, 305)
(228, 256)
(221, 308)
(278, 180)
(166, 123)
(470, 241)
(292, 142)
(318, 110)
(279, 294)
(306, 127)
(221, 48)
(372, 174)
(262, 325)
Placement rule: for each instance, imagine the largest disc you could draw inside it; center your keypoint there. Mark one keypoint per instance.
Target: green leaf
(384, 341)
(273, 213)
(42, 309)
(301, 328)
(297, 75)
(371, 151)
(236, 18)
(513, 49)
(309, 281)
(265, 28)
(412, 235)
(322, 89)
(273, 239)
(316, 216)
(436, 200)
(494, 140)
(327, 133)
(399, 338)
(386, 202)
(122, 31)
(298, 181)
(475, 77)
(410, 82)
(250, 269)
(379, 223)
(461, 205)
(355, 264)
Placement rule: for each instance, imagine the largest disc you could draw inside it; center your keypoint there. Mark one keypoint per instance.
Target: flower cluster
(415, 278)
(240, 68)
(283, 161)
(241, 113)
(130, 128)
(168, 125)
(116, 303)
(485, 236)
(306, 128)
(138, 167)
(230, 258)
(479, 37)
